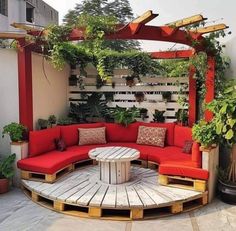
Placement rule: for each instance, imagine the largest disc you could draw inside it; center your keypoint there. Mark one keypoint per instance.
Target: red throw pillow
(60, 144)
(187, 148)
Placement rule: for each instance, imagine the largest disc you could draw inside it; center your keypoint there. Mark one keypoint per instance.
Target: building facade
(35, 12)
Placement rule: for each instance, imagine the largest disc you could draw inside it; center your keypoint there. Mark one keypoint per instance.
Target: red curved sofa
(44, 159)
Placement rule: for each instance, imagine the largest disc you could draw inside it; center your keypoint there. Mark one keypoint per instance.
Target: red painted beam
(192, 97)
(25, 87)
(172, 54)
(210, 85)
(146, 32)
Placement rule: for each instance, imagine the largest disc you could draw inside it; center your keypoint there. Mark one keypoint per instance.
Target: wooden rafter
(24, 26)
(187, 21)
(11, 35)
(145, 18)
(208, 29)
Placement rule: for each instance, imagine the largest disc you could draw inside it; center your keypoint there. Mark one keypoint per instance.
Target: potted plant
(125, 116)
(15, 131)
(130, 81)
(205, 134)
(73, 80)
(6, 172)
(158, 116)
(52, 119)
(139, 96)
(65, 121)
(143, 113)
(42, 123)
(166, 95)
(182, 117)
(224, 110)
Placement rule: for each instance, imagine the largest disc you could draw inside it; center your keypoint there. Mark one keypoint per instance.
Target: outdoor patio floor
(18, 213)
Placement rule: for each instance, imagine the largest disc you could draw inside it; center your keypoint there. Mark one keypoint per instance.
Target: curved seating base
(82, 194)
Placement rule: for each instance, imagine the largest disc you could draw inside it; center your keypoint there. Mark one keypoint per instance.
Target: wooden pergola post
(192, 97)
(25, 86)
(210, 85)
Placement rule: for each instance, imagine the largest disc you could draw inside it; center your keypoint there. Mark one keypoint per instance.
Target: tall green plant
(6, 166)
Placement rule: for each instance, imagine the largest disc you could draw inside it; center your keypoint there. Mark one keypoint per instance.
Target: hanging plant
(139, 96)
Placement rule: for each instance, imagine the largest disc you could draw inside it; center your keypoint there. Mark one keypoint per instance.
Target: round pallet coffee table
(114, 163)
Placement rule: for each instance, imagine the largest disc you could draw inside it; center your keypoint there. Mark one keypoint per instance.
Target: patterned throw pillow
(151, 136)
(92, 136)
(60, 145)
(187, 148)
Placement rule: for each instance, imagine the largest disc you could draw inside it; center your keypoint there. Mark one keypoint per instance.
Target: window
(51, 15)
(29, 13)
(3, 7)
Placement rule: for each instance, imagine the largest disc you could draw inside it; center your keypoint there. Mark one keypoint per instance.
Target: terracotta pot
(4, 185)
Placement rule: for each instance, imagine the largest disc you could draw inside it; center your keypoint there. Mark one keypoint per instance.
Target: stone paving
(18, 213)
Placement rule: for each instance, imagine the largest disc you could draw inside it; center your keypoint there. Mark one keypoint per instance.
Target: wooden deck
(81, 193)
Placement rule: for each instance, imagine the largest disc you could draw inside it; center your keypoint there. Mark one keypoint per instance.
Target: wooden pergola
(137, 29)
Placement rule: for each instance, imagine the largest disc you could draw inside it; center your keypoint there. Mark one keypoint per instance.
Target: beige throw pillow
(92, 136)
(151, 136)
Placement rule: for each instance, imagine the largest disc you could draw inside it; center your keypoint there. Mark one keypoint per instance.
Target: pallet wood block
(25, 175)
(177, 208)
(50, 177)
(163, 179)
(199, 185)
(59, 206)
(35, 197)
(136, 214)
(95, 212)
(204, 199)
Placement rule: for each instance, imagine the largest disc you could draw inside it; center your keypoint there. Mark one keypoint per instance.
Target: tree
(120, 9)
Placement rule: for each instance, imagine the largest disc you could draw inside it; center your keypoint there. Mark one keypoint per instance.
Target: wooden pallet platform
(183, 182)
(82, 194)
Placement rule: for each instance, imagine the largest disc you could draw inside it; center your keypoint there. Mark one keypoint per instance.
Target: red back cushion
(169, 130)
(181, 134)
(70, 133)
(43, 141)
(120, 133)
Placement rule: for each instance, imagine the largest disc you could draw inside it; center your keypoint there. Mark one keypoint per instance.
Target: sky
(217, 11)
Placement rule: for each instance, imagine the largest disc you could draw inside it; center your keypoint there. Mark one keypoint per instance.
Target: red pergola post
(25, 86)
(210, 85)
(192, 97)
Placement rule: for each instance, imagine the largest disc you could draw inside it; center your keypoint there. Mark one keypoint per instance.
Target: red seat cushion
(169, 130)
(169, 153)
(178, 170)
(119, 133)
(43, 141)
(70, 133)
(181, 134)
(53, 161)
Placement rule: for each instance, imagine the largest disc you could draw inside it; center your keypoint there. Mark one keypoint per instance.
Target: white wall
(50, 91)
(9, 100)
(230, 51)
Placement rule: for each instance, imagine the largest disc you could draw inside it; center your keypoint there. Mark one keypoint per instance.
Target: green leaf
(229, 135)
(219, 128)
